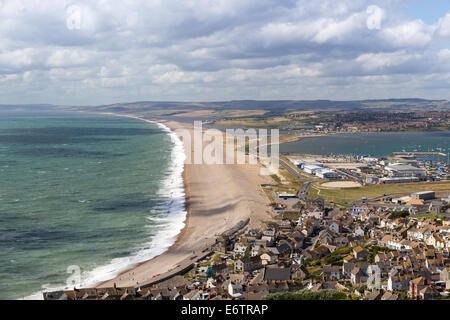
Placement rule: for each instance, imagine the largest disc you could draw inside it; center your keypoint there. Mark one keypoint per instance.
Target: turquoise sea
(374, 144)
(99, 192)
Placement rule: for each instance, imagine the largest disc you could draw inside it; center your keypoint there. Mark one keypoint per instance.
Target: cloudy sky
(99, 52)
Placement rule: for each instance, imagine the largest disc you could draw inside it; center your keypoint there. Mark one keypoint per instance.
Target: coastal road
(306, 181)
(303, 192)
(291, 170)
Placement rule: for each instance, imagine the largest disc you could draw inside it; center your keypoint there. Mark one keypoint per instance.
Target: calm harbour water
(97, 191)
(373, 144)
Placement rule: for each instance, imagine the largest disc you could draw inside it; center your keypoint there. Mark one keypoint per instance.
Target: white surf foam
(170, 222)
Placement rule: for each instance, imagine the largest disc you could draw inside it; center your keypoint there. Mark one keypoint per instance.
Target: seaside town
(368, 121)
(394, 247)
(270, 156)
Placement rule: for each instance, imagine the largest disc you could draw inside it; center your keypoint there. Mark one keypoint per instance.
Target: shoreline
(178, 237)
(209, 211)
(89, 280)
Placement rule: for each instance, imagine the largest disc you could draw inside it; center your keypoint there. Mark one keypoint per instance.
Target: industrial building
(327, 174)
(311, 168)
(424, 195)
(319, 170)
(405, 170)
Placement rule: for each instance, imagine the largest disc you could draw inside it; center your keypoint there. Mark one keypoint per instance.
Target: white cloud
(444, 26)
(221, 49)
(409, 34)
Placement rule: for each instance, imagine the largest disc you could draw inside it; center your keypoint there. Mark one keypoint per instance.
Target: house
(334, 226)
(446, 221)
(299, 272)
(331, 273)
(445, 277)
(256, 251)
(297, 239)
(241, 250)
(277, 274)
(192, 295)
(220, 268)
(284, 249)
(358, 276)
(235, 290)
(253, 234)
(397, 282)
(359, 231)
(238, 277)
(389, 296)
(382, 257)
(347, 268)
(360, 253)
(416, 285)
(317, 253)
(248, 264)
(269, 233)
(341, 242)
(429, 293)
(375, 295)
(349, 258)
(435, 240)
(268, 257)
(222, 245)
(435, 207)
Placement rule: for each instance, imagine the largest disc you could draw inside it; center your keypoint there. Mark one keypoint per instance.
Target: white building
(311, 168)
(404, 170)
(327, 174)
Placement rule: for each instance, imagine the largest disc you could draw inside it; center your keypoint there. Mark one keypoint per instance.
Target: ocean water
(374, 144)
(99, 192)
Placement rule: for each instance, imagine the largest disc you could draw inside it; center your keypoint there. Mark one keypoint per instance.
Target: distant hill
(276, 106)
(273, 107)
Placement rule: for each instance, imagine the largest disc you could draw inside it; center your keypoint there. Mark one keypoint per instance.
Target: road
(306, 181)
(291, 170)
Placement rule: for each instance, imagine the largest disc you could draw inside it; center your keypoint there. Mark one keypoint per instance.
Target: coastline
(210, 210)
(111, 269)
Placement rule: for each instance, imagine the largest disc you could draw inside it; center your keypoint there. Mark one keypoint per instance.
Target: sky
(101, 52)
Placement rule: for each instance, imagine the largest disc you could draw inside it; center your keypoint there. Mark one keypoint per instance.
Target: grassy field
(274, 122)
(340, 196)
(293, 182)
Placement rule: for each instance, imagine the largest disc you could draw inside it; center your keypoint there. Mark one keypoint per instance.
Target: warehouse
(311, 168)
(424, 195)
(404, 170)
(327, 174)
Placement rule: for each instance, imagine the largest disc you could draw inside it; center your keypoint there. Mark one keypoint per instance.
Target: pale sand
(340, 185)
(217, 197)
